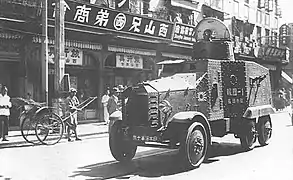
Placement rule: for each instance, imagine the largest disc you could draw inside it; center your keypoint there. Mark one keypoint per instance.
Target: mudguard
(192, 116)
(258, 111)
(44, 109)
(115, 116)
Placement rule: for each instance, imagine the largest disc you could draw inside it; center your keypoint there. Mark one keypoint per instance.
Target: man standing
(113, 103)
(71, 108)
(105, 99)
(5, 104)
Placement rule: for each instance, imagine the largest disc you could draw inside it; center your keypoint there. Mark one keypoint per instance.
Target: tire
(122, 150)
(49, 128)
(194, 145)
(264, 129)
(248, 136)
(27, 129)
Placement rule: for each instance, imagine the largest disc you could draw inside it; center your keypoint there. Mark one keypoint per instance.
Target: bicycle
(50, 126)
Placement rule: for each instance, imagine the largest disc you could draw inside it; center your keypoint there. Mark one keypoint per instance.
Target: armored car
(211, 95)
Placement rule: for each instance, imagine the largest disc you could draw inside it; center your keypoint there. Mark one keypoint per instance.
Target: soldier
(71, 107)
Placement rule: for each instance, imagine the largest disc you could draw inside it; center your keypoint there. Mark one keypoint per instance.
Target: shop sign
(108, 19)
(129, 61)
(184, 33)
(243, 47)
(274, 53)
(73, 56)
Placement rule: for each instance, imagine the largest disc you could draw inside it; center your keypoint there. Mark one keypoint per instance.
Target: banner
(93, 16)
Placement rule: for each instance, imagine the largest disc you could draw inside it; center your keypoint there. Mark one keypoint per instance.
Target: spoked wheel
(194, 146)
(27, 129)
(249, 135)
(121, 149)
(49, 128)
(264, 129)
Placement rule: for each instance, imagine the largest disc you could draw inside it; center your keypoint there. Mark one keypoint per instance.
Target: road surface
(91, 159)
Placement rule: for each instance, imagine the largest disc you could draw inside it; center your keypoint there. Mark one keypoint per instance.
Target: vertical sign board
(284, 32)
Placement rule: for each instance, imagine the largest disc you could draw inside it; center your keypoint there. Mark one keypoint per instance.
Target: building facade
(114, 42)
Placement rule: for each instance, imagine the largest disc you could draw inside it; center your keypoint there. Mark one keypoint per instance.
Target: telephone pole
(45, 51)
(59, 46)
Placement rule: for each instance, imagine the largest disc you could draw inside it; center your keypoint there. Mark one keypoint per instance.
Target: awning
(185, 4)
(287, 77)
(178, 61)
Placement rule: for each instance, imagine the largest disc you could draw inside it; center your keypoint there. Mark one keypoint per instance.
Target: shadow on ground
(162, 164)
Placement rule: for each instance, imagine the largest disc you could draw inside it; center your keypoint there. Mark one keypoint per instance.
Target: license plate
(145, 138)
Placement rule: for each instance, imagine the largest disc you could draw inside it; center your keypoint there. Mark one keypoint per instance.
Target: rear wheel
(27, 129)
(264, 129)
(194, 146)
(121, 149)
(49, 128)
(249, 135)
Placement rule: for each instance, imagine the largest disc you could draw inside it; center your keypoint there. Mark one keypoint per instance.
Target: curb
(23, 142)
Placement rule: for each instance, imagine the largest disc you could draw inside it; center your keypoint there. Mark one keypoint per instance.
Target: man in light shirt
(5, 106)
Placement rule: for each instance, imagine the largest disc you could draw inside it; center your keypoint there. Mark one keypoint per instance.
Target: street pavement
(85, 129)
(91, 159)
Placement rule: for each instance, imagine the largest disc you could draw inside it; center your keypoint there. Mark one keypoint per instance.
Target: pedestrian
(71, 103)
(113, 103)
(105, 99)
(5, 105)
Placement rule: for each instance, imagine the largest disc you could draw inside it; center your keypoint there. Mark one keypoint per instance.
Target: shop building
(105, 47)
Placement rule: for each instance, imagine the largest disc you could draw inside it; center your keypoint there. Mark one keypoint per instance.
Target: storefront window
(217, 4)
(135, 6)
(207, 2)
(258, 16)
(236, 8)
(246, 11)
(267, 19)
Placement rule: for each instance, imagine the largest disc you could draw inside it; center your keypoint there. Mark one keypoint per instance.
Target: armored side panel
(234, 88)
(215, 84)
(258, 85)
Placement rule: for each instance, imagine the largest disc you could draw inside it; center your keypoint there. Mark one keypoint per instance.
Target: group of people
(111, 102)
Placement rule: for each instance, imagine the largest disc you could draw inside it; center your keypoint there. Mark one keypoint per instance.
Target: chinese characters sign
(73, 56)
(109, 19)
(184, 33)
(129, 61)
(274, 53)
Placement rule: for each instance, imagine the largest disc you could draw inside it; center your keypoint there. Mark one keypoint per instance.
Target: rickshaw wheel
(27, 129)
(49, 128)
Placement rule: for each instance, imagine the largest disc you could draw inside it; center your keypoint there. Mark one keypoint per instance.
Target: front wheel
(49, 128)
(249, 135)
(264, 129)
(194, 146)
(121, 149)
